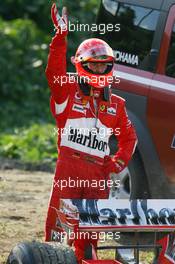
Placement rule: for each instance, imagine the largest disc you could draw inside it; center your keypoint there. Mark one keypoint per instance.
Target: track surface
(24, 198)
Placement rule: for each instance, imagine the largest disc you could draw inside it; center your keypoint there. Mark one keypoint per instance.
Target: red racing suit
(84, 127)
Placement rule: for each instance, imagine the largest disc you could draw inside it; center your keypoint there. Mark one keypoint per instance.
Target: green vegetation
(35, 144)
(25, 32)
(23, 94)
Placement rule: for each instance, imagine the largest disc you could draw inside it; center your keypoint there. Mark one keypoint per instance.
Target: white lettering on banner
(126, 57)
(130, 213)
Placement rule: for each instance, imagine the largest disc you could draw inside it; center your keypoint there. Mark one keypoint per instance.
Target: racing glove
(113, 165)
(60, 23)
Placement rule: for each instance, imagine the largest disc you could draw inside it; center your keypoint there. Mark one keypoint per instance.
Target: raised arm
(56, 67)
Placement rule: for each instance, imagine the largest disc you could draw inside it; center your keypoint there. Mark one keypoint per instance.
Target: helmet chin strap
(106, 94)
(85, 88)
(89, 90)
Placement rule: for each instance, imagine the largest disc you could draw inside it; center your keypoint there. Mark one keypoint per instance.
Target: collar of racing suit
(87, 92)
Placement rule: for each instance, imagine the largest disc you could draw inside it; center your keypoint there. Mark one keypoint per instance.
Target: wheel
(139, 184)
(122, 192)
(41, 253)
(133, 180)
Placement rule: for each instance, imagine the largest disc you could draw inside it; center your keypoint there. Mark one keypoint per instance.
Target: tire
(41, 253)
(133, 180)
(139, 184)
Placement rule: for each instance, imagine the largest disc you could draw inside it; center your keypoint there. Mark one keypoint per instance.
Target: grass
(35, 145)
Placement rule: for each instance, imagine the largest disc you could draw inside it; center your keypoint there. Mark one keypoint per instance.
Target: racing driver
(86, 115)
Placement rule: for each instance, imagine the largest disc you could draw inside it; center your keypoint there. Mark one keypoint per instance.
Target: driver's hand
(111, 165)
(60, 22)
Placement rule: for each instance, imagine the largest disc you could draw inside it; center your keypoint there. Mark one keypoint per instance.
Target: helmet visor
(98, 67)
(98, 53)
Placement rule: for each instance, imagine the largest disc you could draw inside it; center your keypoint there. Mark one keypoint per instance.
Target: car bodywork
(146, 84)
(111, 217)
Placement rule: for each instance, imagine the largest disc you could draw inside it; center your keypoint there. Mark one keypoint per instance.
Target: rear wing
(120, 215)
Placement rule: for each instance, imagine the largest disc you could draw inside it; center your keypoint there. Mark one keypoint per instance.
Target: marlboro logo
(90, 141)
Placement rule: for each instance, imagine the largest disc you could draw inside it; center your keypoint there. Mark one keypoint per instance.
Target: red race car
(93, 218)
